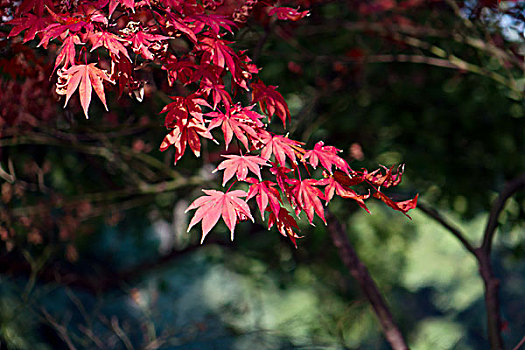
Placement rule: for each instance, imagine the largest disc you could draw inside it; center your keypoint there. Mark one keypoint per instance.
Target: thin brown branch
(434, 214)
(509, 190)
(359, 271)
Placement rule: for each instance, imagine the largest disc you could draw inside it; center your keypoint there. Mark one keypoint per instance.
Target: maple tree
(103, 43)
(212, 91)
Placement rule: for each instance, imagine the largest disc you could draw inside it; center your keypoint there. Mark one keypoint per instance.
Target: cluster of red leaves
(133, 33)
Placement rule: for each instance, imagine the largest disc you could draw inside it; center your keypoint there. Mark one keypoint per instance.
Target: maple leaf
(36, 5)
(142, 42)
(241, 122)
(218, 93)
(265, 194)
(65, 25)
(386, 180)
(187, 131)
(214, 22)
(285, 223)
(270, 100)
(182, 108)
(327, 155)
(288, 13)
(178, 69)
(67, 53)
(280, 146)
(351, 179)
(215, 204)
(307, 197)
(123, 73)
(176, 22)
(218, 52)
(239, 165)
(29, 22)
(281, 177)
(85, 77)
(110, 41)
(126, 3)
(333, 186)
(403, 206)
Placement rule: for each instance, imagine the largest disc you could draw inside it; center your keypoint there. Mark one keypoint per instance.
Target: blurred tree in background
(100, 260)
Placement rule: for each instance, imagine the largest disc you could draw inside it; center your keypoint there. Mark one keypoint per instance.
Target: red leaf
(270, 100)
(239, 165)
(241, 122)
(185, 117)
(288, 13)
(265, 194)
(280, 146)
(285, 223)
(327, 155)
(216, 204)
(347, 180)
(85, 77)
(32, 23)
(142, 42)
(68, 53)
(403, 206)
(386, 180)
(306, 197)
(335, 187)
(109, 41)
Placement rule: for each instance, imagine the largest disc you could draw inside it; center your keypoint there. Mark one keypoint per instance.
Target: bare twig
(359, 271)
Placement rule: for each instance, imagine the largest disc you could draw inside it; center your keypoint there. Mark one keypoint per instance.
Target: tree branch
(508, 191)
(359, 271)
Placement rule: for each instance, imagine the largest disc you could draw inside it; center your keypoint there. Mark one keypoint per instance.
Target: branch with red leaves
(125, 35)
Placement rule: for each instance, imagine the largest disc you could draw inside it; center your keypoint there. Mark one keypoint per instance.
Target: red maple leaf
(281, 177)
(403, 206)
(215, 204)
(307, 197)
(265, 194)
(280, 146)
(327, 155)
(126, 3)
(217, 51)
(68, 53)
(187, 131)
(218, 93)
(214, 22)
(110, 41)
(270, 100)
(85, 77)
(285, 223)
(386, 180)
(241, 122)
(177, 23)
(32, 23)
(333, 186)
(239, 165)
(142, 42)
(288, 13)
(66, 24)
